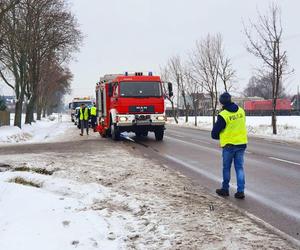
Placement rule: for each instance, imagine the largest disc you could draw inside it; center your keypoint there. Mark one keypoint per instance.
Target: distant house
(202, 101)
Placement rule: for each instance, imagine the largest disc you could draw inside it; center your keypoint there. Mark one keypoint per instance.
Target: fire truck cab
(131, 103)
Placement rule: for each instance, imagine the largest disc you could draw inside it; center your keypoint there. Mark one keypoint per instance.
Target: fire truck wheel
(138, 134)
(141, 133)
(145, 133)
(115, 133)
(159, 134)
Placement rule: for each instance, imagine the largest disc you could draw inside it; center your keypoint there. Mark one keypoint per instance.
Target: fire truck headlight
(123, 119)
(160, 118)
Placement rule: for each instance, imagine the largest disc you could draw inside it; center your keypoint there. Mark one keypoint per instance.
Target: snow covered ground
(51, 217)
(288, 128)
(40, 131)
(88, 199)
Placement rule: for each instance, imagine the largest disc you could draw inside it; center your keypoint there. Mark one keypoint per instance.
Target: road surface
(272, 168)
(272, 172)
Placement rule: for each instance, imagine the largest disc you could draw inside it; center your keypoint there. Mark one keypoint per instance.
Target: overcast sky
(140, 35)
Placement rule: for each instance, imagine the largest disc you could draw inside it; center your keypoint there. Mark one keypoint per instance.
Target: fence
(4, 118)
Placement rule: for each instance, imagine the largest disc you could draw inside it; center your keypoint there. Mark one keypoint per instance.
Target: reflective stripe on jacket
(93, 111)
(235, 132)
(85, 115)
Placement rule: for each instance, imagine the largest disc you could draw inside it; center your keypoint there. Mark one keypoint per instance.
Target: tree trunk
(18, 113)
(174, 112)
(195, 111)
(186, 116)
(39, 112)
(44, 112)
(274, 123)
(186, 107)
(196, 116)
(214, 116)
(274, 120)
(213, 108)
(29, 111)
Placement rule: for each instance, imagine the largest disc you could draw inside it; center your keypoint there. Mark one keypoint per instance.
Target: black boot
(222, 192)
(239, 195)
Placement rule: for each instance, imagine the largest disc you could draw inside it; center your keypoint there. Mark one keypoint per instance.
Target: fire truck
(76, 102)
(131, 103)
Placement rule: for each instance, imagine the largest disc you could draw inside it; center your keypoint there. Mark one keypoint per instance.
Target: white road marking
(282, 160)
(195, 145)
(201, 141)
(180, 136)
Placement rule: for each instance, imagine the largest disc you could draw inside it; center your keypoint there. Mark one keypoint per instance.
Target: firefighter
(84, 119)
(93, 115)
(230, 129)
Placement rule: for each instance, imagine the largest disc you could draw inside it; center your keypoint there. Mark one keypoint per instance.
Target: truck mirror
(110, 90)
(70, 105)
(170, 89)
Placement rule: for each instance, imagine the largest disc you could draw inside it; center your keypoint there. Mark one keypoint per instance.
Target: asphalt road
(272, 172)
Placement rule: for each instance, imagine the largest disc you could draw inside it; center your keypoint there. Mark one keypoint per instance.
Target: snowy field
(61, 200)
(288, 127)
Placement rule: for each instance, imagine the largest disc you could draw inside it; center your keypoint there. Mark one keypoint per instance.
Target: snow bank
(11, 134)
(288, 127)
(55, 216)
(40, 131)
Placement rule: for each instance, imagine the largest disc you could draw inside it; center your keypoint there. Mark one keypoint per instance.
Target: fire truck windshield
(140, 89)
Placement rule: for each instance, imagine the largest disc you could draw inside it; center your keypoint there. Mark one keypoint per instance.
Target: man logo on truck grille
(142, 108)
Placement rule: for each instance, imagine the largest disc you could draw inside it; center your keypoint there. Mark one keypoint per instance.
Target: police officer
(93, 115)
(230, 129)
(84, 119)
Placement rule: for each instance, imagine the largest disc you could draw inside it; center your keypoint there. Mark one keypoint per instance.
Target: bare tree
(205, 63)
(6, 5)
(14, 46)
(55, 83)
(226, 71)
(262, 86)
(176, 71)
(165, 76)
(34, 31)
(266, 44)
(54, 34)
(194, 91)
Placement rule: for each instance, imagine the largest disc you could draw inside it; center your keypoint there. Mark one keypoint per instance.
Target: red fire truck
(131, 103)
